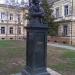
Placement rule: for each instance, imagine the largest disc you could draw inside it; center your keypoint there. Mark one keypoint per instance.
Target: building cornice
(13, 7)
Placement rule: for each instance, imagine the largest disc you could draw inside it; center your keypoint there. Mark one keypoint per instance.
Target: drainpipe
(71, 22)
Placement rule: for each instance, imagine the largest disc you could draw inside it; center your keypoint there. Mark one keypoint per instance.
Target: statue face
(35, 2)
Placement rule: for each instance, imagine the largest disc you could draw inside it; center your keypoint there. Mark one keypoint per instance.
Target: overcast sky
(1, 1)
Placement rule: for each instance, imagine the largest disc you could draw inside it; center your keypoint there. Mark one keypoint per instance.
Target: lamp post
(36, 50)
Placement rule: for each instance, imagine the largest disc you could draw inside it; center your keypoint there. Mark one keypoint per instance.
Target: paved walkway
(17, 74)
(61, 46)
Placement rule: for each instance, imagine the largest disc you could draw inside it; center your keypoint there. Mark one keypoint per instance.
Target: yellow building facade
(12, 22)
(64, 13)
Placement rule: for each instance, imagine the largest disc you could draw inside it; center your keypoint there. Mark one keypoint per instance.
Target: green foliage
(69, 54)
(49, 18)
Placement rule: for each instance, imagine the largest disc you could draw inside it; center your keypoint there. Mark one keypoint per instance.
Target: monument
(36, 51)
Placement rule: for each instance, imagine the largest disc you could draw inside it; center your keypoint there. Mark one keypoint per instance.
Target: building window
(3, 15)
(2, 30)
(57, 12)
(66, 10)
(19, 30)
(11, 16)
(18, 17)
(11, 30)
(65, 29)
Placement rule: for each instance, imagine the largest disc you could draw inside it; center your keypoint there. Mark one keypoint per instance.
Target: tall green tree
(49, 18)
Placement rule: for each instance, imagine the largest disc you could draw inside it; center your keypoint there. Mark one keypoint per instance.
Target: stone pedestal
(36, 72)
(36, 51)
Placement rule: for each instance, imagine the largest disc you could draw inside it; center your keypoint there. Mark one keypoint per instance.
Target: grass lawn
(12, 58)
(61, 60)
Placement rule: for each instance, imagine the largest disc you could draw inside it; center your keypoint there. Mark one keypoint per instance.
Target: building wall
(68, 20)
(16, 23)
(73, 8)
(61, 4)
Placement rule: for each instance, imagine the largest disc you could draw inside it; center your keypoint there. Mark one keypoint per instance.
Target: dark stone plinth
(36, 51)
(39, 71)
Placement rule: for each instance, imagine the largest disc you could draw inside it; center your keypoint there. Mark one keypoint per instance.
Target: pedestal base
(40, 72)
(49, 71)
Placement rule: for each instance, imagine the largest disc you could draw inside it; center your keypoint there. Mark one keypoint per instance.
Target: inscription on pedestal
(36, 49)
(39, 49)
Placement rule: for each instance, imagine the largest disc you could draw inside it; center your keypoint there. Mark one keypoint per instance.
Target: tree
(49, 18)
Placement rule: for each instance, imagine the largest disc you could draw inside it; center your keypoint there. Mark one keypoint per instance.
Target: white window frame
(65, 29)
(10, 30)
(19, 30)
(11, 16)
(57, 12)
(66, 10)
(2, 30)
(3, 16)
